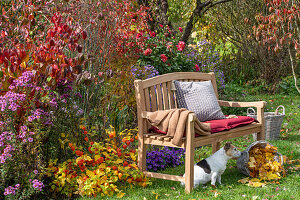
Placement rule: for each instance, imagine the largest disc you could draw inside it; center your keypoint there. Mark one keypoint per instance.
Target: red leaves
(100, 160)
(79, 49)
(84, 35)
(79, 153)
(55, 67)
(297, 46)
(278, 28)
(3, 34)
(52, 43)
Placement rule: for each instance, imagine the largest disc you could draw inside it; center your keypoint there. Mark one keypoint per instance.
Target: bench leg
(216, 146)
(260, 136)
(189, 169)
(141, 154)
(189, 154)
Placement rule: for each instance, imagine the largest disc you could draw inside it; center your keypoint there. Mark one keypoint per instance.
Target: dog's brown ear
(227, 146)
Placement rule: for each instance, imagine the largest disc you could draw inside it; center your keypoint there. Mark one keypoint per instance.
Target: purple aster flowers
(9, 101)
(208, 60)
(11, 190)
(144, 72)
(36, 184)
(23, 80)
(5, 153)
(166, 157)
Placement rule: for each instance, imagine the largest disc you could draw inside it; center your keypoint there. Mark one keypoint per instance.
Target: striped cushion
(200, 98)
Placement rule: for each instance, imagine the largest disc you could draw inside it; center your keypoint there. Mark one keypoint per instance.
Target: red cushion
(219, 124)
(227, 124)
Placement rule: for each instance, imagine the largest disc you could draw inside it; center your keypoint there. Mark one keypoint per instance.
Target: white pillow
(200, 98)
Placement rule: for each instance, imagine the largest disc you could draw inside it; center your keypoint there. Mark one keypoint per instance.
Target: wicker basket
(273, 122)
(242, 162)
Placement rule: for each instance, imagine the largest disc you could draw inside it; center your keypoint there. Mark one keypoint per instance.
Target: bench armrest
(258, 104)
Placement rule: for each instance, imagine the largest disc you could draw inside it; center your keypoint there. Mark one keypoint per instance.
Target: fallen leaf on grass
(244, 180)
(157, 195)
(256, 184)
(217, 194)
(120, 195)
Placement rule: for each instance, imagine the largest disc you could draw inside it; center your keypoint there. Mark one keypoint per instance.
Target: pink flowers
(36, 184)
(169, 45)
(180, 29)
(148, 52)
(180, 46)
(100, 74)
(163, 57)
(139, 35)
(152, 34)
(11, 190)
(197, 68)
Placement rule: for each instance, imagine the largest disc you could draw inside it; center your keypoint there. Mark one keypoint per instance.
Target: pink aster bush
(23, 125)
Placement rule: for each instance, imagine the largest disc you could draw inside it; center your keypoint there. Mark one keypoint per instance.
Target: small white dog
(211, 168)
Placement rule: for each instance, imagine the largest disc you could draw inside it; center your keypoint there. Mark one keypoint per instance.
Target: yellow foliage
(256, 184)
(119, 161)
(89, 173)
(262, 166)
(120, 195)
(97, 170)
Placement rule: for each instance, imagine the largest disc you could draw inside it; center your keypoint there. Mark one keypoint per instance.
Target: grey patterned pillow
(200, 98)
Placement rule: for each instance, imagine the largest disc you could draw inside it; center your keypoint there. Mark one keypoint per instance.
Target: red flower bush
(147, 52)
(197, 68)
(163, 57)
(180, 46)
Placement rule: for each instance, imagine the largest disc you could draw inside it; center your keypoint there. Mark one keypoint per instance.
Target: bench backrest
(156, 93)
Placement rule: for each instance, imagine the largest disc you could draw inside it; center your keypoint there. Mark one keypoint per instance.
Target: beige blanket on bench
(173, 122)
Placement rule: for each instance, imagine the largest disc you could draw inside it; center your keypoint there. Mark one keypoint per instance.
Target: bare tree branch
(199, 11)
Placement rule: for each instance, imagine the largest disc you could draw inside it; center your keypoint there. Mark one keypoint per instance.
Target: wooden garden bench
(156, 94)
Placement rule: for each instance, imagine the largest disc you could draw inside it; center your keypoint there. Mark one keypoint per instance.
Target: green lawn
(231, 189)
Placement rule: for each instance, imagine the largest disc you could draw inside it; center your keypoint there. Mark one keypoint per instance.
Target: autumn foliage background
(67, 105)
